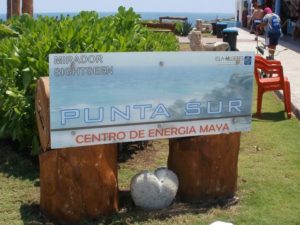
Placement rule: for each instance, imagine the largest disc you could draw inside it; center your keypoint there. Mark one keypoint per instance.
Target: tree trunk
(27, 7)
(15, 7)
(206, 166)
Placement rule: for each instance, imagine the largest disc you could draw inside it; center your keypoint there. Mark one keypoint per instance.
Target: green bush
(183, 28)
(25, 44)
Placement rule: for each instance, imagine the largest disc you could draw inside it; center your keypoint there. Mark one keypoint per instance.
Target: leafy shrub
(178, 27)
(24, 50)
(183, 28)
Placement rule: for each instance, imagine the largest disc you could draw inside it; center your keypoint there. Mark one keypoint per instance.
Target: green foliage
(25, 44)
(183, 28)
(6, 31)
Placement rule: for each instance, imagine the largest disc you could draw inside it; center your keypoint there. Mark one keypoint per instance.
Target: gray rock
(216, 46)
(196, 44)
(154, 190)
(195, 40)
(199, 24)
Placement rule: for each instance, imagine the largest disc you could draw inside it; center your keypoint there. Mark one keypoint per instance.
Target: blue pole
(277, 7)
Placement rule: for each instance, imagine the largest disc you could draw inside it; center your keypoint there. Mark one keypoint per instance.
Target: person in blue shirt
(271, 24)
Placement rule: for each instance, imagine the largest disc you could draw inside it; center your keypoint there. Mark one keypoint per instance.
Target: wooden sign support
(75, 183)
(206, 166)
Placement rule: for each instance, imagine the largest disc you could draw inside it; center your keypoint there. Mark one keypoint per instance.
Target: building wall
(240, 8)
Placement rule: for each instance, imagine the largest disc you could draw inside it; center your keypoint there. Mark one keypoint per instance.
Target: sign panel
(99, 98)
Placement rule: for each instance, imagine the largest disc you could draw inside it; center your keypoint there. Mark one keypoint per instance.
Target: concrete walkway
(288, 53)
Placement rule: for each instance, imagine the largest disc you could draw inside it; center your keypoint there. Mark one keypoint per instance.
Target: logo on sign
(230, 60)
(247, 60)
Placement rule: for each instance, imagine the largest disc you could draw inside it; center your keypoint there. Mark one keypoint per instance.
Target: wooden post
(15, 8)
(27, 7)
(78, 183)
(75, 183)
(9, 9)
(206, 166)
(42, 112)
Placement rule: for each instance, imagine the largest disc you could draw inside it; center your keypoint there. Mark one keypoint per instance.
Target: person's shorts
(255, 24)
(273, 39)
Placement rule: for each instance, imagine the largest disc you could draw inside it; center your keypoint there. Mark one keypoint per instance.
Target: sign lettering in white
(99, 98)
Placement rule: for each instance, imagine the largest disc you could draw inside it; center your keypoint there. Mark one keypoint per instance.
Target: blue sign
(99, 98)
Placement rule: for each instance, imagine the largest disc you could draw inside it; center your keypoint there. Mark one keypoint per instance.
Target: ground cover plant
(25, 44)
(268, 182)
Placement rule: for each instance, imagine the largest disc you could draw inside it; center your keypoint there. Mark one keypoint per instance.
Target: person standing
(256, 19)
(271, 24)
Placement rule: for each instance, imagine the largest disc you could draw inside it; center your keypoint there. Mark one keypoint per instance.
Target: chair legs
(287, 98)
(259, 101)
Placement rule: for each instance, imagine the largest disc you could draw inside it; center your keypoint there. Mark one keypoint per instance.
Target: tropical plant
(26, 43)
(6, 31)
(183, 28)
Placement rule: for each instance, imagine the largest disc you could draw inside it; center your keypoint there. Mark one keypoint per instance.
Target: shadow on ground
(13, 163)
(31, 215)
(270, 116)
(130, 214)
(289, 42)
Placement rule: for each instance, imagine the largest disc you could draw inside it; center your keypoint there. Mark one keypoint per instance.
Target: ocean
(192, 17)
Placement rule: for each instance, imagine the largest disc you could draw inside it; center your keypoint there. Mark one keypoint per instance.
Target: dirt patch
(135, 156)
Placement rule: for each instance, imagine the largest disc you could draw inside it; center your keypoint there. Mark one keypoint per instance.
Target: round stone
(154, 190)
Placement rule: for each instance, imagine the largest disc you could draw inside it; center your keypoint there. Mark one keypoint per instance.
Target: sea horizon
(192, 16)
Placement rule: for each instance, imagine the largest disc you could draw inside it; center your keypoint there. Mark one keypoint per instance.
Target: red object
(276, 81)
(265, 61)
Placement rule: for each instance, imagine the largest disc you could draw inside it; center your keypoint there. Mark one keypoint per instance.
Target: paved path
(288, 54)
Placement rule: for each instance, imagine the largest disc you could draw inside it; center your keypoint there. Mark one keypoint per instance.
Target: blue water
(192, 17)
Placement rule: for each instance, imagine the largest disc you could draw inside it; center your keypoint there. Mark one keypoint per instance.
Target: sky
(203, 6)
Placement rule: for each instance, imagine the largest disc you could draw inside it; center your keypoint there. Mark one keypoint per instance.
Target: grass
(268, 182)
(19, 188)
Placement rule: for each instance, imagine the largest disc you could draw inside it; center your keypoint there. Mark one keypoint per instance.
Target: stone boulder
(216, 46)
(195, 40)
(196, 44)
(199, 24)
(154, 190)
